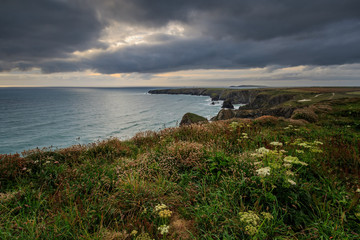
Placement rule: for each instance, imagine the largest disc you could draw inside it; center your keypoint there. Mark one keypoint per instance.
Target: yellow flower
(267, 216)
(134, 232)
(165, 213)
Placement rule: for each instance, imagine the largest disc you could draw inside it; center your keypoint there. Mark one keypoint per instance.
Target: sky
(115, 43)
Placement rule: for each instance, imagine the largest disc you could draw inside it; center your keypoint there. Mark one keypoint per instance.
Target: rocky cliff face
(225, 114)
(266, 101)
(259, 102)
(237, 96)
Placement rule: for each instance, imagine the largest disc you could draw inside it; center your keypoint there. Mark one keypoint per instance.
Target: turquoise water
(61, 117)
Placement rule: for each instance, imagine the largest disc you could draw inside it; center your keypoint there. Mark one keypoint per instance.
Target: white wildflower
(160, 207)
(262, 150)
(276, 144)
(318, 143)
(291, 182)
(263, 171)
(163, 229)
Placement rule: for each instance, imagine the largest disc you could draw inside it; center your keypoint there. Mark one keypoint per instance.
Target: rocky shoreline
(277, 102)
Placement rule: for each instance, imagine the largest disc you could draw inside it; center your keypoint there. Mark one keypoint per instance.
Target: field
(265, 178)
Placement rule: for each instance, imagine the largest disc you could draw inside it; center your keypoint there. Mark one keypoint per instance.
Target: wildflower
(263, 171)
(262, 150)
(304, 144)
(287, 165)
(251, 220)
(290, 159)
(316, 150)
(165, 213)
(299, 151)
(318, 143)
(358, 190)
(289, 173)
(250, 230)
(163, 229)
(267, 216)
(244, 135)
(291, 182)
(160, 207)
(249, 217)
(294, 160)
(134, 232)
(234, 125)
(276, 144)
(143, 236)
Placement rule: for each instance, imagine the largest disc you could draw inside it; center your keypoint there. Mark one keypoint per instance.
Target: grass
(268, 178)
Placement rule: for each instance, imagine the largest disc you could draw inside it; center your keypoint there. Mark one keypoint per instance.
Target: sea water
(61, 117)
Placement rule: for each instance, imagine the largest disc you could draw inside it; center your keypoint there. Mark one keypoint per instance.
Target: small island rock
(190, 118)
(227, 104)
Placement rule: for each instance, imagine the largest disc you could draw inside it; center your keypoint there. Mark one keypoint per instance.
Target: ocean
(60, 117)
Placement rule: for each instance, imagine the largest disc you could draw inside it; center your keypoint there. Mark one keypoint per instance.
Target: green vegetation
(267, 178)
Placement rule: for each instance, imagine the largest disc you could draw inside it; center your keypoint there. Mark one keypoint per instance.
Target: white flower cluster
(262, 172)
(262, 150)
(163, 229)
(279, 144)
(244, 135)
(160, 207)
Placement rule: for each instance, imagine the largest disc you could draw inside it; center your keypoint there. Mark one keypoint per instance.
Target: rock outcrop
(190, 118)
(227, 104)
(225, 114)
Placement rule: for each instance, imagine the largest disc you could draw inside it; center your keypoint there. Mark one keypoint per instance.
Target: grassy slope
(207, 177)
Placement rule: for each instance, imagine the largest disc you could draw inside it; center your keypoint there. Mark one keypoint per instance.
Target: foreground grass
(267, 178)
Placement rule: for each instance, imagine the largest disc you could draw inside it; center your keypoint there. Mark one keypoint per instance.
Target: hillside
(262, 178)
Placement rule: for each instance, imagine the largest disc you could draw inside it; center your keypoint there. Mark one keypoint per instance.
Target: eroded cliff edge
(295, 103)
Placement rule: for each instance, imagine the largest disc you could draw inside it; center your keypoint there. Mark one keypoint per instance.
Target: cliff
(280, 102)
(237, 96)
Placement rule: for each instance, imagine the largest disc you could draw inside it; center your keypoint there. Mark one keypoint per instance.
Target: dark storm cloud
(253, 19)
(227, 34)
(40, 30)
(207, 53)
